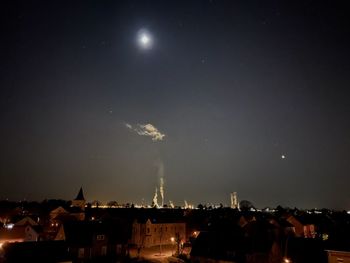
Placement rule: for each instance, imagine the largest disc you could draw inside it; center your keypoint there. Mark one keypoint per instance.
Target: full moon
(144, 39)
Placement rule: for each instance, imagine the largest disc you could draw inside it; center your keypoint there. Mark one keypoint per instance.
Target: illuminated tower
(234, 201)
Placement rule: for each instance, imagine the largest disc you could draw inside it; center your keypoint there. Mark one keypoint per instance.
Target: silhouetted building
(302, 227)
(157, 232)
(38, 252)
(338, 256)
(95, 239)
(218, 246)
(79, 201)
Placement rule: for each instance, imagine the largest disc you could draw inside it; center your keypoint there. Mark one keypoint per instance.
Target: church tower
(79, 201)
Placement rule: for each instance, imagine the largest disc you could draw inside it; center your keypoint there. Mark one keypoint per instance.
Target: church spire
(79, 201)
(80, 195)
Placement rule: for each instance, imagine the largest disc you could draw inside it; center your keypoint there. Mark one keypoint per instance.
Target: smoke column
(161, 190)
(155, 198)
(161, 180)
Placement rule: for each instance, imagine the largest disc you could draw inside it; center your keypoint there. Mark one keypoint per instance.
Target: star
(283, 156)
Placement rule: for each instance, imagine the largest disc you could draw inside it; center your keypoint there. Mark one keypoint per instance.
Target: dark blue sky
(233, 85)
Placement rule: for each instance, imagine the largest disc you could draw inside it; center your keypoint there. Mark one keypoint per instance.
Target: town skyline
(157, 202)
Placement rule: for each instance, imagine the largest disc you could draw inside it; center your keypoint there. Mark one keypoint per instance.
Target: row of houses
(80, 234)
(246, 238)
(73, 234)
(86, 240)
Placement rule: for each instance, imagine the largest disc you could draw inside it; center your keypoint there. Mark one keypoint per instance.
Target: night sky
(212, 96)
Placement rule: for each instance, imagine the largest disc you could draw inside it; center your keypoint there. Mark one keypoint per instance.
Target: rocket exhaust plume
(160, 173)
(161, 190)
(155, 198)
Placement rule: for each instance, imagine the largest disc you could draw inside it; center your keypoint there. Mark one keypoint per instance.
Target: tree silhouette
(246, 205)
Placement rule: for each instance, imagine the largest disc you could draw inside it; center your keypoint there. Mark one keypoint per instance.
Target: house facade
(338, 256)
(306, 230)
(154, 233)
(94, 240)
(20, 233)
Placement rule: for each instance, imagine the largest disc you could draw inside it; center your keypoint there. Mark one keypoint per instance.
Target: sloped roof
(75, 209)
(155, 221)
(80, 195)
(59, 210)
(160, 216)
(26, 221)
(83, 233)
(284, 223)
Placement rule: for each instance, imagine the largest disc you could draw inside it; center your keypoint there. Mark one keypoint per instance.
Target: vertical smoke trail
(160, 172)
(161, 180)
(155, 198)
(161, 190)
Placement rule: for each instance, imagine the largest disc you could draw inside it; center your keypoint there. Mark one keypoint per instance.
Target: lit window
(100, 237)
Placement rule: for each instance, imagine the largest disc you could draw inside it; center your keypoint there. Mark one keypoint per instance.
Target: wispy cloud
(147, 130)
(151, 131)
(128, 125)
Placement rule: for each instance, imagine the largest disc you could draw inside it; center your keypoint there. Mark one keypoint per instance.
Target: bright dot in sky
(144, 39)
(283, 156)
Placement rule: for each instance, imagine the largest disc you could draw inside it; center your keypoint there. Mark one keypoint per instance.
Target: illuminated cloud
(151, 131)
(147, 130)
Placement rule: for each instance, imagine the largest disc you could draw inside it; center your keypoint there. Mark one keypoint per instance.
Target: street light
(285, 258)
(172, 239)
